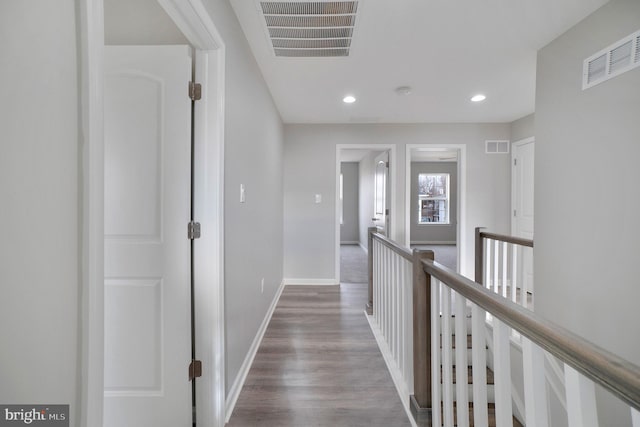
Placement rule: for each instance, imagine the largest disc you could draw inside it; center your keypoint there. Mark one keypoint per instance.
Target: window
(433, 198)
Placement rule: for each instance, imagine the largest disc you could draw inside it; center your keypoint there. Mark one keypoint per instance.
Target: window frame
(446, 197)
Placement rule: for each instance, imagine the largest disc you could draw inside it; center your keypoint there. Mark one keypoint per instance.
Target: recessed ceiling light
(349, 99)
(479, 97)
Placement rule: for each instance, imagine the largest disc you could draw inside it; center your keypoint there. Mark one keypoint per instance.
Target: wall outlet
(262, 286)
(243, 196)
(318, 198)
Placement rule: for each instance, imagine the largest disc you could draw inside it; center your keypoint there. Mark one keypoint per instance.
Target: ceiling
(446, 51)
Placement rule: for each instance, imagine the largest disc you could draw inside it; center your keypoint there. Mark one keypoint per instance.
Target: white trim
(91, 400)
(236, 387)
(401, 386)
(363, 248)
(518, 143)
(350, 242)
(311, 282)
(461, 231)
(393, 174)
(433, 242)
(194, 21)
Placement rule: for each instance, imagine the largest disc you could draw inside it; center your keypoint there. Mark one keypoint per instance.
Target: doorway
(374, 194)
(193, 20)
(435, 200)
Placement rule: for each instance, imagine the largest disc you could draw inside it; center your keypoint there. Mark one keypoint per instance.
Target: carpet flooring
(353, 264)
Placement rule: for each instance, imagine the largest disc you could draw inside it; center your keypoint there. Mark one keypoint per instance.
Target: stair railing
(502, 264)
(585, 364)
(399, 312)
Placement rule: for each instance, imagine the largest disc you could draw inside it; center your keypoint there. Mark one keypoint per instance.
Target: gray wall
(310, 167)
(438, 233)
(139, 22)
(39, 217)
(587, 198)
(349, 230)
(253, 157)
(523, 128)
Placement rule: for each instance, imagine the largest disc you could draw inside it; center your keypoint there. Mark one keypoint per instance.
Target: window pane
(433, 198)
(433, 185)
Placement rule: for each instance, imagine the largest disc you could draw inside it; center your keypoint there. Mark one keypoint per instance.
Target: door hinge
(514, 212)
(515, 162)
(195, 369)
(193, 230)
(195, 91)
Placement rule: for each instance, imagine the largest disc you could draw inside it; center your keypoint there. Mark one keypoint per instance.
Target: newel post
(479, 253)
(421, 399)
(370, 232)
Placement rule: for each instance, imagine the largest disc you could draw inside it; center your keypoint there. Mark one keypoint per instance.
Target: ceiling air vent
(618, 58)
(496, 147)
(310, 29)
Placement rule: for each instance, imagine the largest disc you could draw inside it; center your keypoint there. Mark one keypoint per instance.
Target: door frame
(193, 20)
(393, 173)
(461, 226)
(515, 144)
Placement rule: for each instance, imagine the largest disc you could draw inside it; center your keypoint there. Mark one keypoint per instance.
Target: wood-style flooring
(319, 365)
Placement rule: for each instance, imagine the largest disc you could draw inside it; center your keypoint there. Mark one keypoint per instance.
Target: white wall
(437, 233)
(310, 167)
(253, 157)
(39, 217)
(139, 22)
(349, 231)
(586, 150)
(523, 128)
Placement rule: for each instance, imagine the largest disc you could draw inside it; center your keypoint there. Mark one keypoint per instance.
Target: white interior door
(381, 192)
(522, 225)
(147, 261)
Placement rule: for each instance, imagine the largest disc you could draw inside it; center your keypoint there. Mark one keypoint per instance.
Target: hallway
(319, 365)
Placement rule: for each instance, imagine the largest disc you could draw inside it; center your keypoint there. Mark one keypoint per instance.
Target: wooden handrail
(400, 250)
(619, 376)
(509, 239)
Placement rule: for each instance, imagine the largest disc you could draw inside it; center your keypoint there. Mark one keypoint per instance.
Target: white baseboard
(363, 248)
(234, 392)
(401, 385)
(311, 282)
(432, 242)
(350, 242)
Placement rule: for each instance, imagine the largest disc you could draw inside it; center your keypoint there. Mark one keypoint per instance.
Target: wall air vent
(616, 59)
(316, 29)
(496, 147)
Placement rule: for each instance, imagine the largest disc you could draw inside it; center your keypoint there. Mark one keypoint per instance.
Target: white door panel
(382, 194)
(523, 205)
(147, 196)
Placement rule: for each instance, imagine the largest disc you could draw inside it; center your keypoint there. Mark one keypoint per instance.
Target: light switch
(318, 198)
(242, 194)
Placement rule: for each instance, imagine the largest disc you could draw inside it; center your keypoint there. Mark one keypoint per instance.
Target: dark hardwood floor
(319, 365)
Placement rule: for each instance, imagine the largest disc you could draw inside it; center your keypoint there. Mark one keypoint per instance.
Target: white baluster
(514, 272)
(447, 366)
(479, 366)
(487, 262)
(401, 317)
(392, 306)
(502, 373)
(496, 265)
(436, 358)
(462, 391)
(581, 399)
(408, 328)
(535, 391)
(635, 417)
(505, 260)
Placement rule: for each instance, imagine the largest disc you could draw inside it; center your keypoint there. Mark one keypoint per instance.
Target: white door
(147, 117)
(381, 193)
(522, 225)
